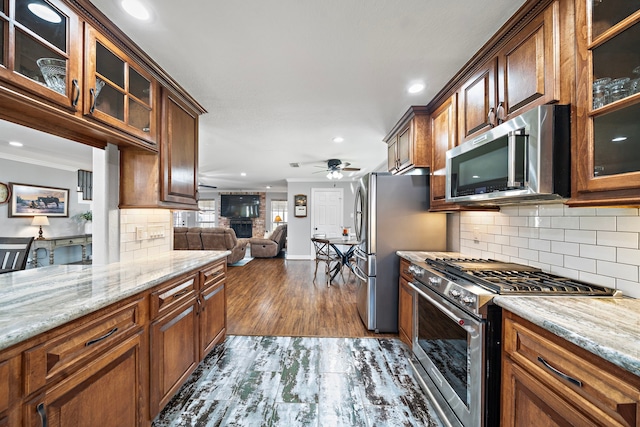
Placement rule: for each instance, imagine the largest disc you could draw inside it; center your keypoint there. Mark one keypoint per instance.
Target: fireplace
(242, 227)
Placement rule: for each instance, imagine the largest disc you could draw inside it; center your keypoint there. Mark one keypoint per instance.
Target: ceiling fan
(335, 167)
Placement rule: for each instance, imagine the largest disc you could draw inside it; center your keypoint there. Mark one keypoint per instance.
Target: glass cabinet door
(39, 51)
(122, 93)
(615, 101)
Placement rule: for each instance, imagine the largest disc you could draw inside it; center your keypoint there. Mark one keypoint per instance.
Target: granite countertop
(607, 327)
(37, 300)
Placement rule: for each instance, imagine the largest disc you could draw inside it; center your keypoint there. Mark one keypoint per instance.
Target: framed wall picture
(300, 205)
(29, 200)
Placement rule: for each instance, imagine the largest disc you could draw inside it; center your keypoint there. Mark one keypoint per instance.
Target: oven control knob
(468, 300)
(454, 293)
(435, 281)
(416, 271)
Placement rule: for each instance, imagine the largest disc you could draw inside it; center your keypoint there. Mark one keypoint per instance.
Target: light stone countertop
(37, 300)
(607, 327)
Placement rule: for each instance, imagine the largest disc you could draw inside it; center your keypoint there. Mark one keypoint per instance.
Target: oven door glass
(450, 348)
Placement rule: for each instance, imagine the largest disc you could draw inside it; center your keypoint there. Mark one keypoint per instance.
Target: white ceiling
(281, 78)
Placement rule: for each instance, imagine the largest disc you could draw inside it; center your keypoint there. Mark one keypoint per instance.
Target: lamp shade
(40, 220)
(277, 219)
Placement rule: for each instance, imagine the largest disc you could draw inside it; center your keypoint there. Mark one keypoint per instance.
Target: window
(278, 209)
(206, 216)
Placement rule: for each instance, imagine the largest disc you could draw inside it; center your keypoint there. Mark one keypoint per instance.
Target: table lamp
(277, 219)
(40, 220)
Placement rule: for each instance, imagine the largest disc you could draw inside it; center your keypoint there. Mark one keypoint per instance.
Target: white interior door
(327, 211)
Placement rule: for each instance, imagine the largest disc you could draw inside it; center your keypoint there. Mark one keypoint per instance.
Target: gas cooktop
(510, 278)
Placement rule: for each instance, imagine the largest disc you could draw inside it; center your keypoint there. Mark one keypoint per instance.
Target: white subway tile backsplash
(528, 254)
(540, 245)
(550, 258)
(567, 223)
(519, 242)
(596, 245)
(565, 248)
(617, 212)
(606, 223)
(617, 270)
(631, 223)
(603, 253)
(618, 239)
(596, 279)
(551, 234)
(580, 264)
(580, 236)
(551, 210)
(628, 256)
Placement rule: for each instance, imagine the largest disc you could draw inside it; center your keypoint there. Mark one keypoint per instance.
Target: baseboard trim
(299, 257)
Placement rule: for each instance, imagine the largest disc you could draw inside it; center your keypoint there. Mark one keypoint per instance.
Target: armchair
(271, 246)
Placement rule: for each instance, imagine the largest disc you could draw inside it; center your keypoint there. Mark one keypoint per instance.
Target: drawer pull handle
(43, 414)
(107, 335)
(181, 293)
(560, 374)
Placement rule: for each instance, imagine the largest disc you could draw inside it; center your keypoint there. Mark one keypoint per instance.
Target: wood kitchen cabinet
(121, 364)
(174, 339)
(115, 376)
(119, 91)
(213, 313)
(524, 73)
(406, 305)
(547, 381)
(168, 178)
(444, 138)
(607, 160)
(408, 143)
(43, 57)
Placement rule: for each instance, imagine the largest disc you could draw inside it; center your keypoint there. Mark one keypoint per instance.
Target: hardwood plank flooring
(278, 297)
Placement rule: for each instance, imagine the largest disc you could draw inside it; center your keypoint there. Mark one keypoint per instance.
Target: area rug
(240, 263)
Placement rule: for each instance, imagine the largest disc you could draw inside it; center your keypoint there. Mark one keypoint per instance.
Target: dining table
(339, 244)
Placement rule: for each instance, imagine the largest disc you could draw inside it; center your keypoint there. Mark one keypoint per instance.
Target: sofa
(210, 239)
(271, 246)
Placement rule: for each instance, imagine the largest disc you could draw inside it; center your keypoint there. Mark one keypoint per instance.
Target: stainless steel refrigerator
(390, 214)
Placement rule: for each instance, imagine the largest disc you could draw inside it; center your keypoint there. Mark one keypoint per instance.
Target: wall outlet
(141, 233)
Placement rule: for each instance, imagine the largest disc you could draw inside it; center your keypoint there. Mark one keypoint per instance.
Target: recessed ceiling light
(136, 9)
(268, 186)
(43, 11)
(338, 139)
(619, 139)
(243, 174)
(16, 143)
(416, 87)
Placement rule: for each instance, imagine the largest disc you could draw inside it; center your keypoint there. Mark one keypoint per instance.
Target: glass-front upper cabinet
(119, 92)
(609, 166)
(41, 48)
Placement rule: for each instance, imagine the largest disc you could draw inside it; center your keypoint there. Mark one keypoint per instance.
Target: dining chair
(326, 254)
(14, 253)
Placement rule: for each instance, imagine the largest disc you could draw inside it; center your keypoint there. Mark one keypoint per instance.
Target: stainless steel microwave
(527, 158)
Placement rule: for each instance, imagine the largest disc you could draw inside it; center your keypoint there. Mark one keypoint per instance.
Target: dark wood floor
(274, 296)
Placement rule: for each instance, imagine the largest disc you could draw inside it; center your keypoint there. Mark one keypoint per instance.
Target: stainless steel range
(458, 328)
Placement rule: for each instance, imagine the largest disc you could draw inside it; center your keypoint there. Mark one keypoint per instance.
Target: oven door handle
(464, 323)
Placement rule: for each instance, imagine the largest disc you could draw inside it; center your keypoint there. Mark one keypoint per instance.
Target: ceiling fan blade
(351, 169)
(207, 186)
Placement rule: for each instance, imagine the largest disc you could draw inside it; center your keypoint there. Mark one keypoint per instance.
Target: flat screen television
(240, 206)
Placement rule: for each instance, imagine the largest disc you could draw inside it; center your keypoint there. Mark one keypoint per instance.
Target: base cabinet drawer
(583, 389)
(106, 393)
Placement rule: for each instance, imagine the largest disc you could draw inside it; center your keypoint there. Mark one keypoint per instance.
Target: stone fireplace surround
(258, 224)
